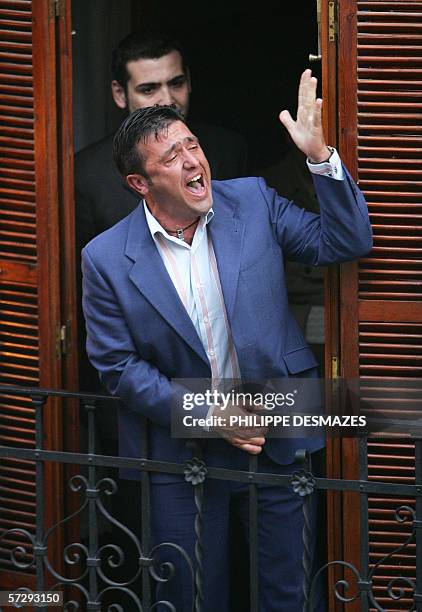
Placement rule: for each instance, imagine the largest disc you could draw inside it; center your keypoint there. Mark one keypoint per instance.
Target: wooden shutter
(380, 111)
(30, 262)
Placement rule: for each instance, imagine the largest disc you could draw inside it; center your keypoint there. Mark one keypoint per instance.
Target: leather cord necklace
(179, 232)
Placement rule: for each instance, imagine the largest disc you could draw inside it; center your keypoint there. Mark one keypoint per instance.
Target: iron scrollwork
(365, 585)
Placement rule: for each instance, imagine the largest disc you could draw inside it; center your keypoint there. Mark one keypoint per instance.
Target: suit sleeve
(341, 232)
(138, 383)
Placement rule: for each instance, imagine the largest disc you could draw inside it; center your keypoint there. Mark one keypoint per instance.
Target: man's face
(171, 163)
(154, 81)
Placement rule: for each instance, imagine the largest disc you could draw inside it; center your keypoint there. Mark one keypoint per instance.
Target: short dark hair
(138, 127)
(142, 45)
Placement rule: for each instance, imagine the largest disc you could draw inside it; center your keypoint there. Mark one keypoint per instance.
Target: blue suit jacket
(140, 335)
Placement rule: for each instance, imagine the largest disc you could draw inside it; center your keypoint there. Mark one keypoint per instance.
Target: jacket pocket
(299, 360)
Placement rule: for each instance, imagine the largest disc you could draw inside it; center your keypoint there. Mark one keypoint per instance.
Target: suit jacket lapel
(150, 276)
(227, 238)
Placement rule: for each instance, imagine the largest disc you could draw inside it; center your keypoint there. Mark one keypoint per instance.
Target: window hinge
(62, 339)
(334, 367)
(332, 20)
(57, 8)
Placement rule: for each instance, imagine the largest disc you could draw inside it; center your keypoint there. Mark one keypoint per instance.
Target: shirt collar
(155, 227)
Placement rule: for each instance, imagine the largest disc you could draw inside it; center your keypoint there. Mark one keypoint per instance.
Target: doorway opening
(245, 65)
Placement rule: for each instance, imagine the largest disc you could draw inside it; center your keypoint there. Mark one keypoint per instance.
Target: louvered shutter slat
(380, 129)
(29, 304)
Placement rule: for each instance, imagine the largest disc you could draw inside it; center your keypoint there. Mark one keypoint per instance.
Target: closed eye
(170, 159)
(191, 143)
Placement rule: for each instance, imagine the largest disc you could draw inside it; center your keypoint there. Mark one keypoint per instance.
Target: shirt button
(211, 353)
(206, 320)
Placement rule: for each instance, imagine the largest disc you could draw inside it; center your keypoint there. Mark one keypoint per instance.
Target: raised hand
(306, 131)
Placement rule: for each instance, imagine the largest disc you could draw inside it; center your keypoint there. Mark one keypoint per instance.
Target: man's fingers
(286, 119)
(318, 113)
(310, 93)
(306, 75)
(253, 449)
(251, 432)
(254, 409)
(256, 441)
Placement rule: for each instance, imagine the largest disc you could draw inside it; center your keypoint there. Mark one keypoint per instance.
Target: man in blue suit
(191, 285)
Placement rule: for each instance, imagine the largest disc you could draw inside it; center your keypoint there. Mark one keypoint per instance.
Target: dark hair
(142, 45)
(138, 127)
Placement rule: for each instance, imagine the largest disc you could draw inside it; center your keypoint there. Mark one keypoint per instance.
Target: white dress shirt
(193, 271)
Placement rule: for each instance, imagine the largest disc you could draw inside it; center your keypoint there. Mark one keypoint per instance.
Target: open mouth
(196, 184)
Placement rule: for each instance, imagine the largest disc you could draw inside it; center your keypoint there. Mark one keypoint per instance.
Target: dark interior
(245, 62)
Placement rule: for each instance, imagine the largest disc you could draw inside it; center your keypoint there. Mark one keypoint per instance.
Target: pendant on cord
(180, 231)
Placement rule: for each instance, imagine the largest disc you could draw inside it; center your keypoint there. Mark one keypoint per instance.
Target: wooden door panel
(30, 264)
(380, 101)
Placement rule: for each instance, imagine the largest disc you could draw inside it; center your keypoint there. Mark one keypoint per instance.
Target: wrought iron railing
(83, 573)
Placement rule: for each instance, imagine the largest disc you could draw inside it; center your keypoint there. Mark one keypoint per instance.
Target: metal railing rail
(93, 583)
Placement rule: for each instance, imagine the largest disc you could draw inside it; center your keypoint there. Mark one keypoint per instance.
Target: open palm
(306, 131)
